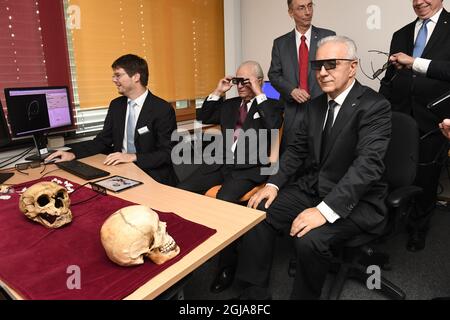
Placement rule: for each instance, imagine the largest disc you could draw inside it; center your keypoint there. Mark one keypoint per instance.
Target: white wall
(233, 39)
(370, 23)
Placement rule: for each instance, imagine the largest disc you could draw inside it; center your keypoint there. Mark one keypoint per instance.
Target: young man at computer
(137, 128)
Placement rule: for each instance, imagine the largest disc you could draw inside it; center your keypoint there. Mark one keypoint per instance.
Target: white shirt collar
(140, 100)
(249, 104)
(307, 35)
(341, 98)
(433, 18)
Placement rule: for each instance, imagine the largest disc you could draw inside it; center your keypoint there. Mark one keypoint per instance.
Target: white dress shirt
(298, 40)
(421, 65)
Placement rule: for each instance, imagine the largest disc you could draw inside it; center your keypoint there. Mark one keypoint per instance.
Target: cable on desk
(15, 158)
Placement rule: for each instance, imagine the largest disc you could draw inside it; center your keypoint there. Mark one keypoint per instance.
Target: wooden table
(230, 220)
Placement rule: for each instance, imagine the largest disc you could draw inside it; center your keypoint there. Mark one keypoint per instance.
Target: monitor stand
(40, 141)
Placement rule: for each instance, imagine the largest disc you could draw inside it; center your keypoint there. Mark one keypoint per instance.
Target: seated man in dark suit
(251, 111)
(340, 147)
(137, 128)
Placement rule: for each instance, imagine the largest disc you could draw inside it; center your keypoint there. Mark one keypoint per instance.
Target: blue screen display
(270, 91)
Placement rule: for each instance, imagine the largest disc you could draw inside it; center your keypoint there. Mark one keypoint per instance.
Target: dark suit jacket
(225, 113)
(153, 148)
(283, 72)
(349, 175)
(408, 92)
(439, 70)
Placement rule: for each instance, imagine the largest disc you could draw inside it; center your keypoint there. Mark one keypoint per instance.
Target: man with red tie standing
(289, 71)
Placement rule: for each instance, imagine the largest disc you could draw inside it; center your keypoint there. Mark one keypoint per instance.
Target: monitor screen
(38, 110)
(4, 132)
(270, 91)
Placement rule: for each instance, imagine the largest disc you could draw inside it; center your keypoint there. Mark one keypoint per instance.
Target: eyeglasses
(238, 80)
(377, 73)
(303, 8)
(117, 76)
(328, 64)
(27, 165)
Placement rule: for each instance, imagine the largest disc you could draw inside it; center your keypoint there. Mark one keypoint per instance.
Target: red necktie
(303, 64)
(241, 118)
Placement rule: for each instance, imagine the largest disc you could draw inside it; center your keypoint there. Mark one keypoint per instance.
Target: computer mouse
(52, 160)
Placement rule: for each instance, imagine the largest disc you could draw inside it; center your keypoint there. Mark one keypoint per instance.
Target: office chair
(401, 162)
(273, 158)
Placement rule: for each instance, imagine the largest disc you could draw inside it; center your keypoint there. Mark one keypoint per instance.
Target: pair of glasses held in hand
(378, 72)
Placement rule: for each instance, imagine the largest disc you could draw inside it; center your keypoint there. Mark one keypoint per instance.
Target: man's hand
(445, 128)
(223, 86)
(401, 60)
(255, 85)
(119, 157)
(62, 155)
(268, 192)
(307, 220)
(300, 95)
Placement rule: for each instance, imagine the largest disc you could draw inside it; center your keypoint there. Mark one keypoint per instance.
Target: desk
(230, 220)
(191, 126)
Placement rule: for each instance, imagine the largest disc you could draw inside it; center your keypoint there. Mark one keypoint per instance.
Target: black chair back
(402, 155)
(400, 161)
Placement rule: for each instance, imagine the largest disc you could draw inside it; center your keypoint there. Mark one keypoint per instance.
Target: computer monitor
(270, 91)
(5, 138)
(37, 111)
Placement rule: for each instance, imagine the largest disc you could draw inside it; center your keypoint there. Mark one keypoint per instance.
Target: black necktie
(326, 134)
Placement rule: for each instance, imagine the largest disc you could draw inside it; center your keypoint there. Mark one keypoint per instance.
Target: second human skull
(133, 232)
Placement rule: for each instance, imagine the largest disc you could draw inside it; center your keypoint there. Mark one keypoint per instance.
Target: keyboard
(82, 170)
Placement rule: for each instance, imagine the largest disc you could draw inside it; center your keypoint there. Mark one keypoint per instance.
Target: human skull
(133, 232)
(47, 203)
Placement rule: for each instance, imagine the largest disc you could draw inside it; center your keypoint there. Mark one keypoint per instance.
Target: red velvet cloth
(34, 260)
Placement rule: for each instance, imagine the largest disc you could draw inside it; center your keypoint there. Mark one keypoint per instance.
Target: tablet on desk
(117, 183)
(441, 106)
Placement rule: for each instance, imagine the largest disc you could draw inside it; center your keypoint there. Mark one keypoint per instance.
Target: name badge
(143, 130)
